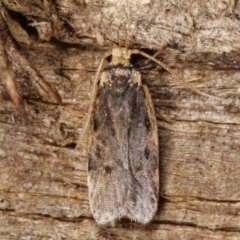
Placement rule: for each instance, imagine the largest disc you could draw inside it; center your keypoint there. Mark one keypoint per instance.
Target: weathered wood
(43, 189)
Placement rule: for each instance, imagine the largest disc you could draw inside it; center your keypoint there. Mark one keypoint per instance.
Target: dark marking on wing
(146, 152)
(147, 123)
(95, 124)
(108, 169)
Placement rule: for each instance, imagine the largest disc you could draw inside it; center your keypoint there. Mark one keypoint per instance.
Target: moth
(123, 151)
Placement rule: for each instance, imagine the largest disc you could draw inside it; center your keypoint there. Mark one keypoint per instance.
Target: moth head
(121, 56)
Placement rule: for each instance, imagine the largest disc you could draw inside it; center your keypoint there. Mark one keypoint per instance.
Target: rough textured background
(43, 191)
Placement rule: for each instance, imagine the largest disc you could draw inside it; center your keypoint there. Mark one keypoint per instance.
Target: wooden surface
(43, 188)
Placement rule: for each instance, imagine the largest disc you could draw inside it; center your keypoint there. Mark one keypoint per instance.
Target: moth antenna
(136, 51)
(94, 92)
(199, 92)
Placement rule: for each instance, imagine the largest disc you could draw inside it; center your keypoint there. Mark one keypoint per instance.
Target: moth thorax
(121, 56)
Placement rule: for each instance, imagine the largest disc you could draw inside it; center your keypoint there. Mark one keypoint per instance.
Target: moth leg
(136, 51)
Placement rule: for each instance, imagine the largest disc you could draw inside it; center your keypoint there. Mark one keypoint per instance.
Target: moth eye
(147, 123)
(108, 169)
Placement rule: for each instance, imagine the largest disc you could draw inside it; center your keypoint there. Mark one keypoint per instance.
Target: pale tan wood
(43, 188)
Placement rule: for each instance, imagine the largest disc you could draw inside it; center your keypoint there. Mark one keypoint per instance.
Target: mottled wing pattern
(123, 172)
(144, 160)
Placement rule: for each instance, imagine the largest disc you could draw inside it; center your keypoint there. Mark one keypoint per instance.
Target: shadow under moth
(123, 155)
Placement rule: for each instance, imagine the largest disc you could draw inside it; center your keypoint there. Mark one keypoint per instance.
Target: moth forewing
(123, 174)
(145, 160)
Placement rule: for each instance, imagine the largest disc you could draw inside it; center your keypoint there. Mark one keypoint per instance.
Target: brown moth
(123, 157)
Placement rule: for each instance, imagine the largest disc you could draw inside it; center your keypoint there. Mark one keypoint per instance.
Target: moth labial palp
(123, 157)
